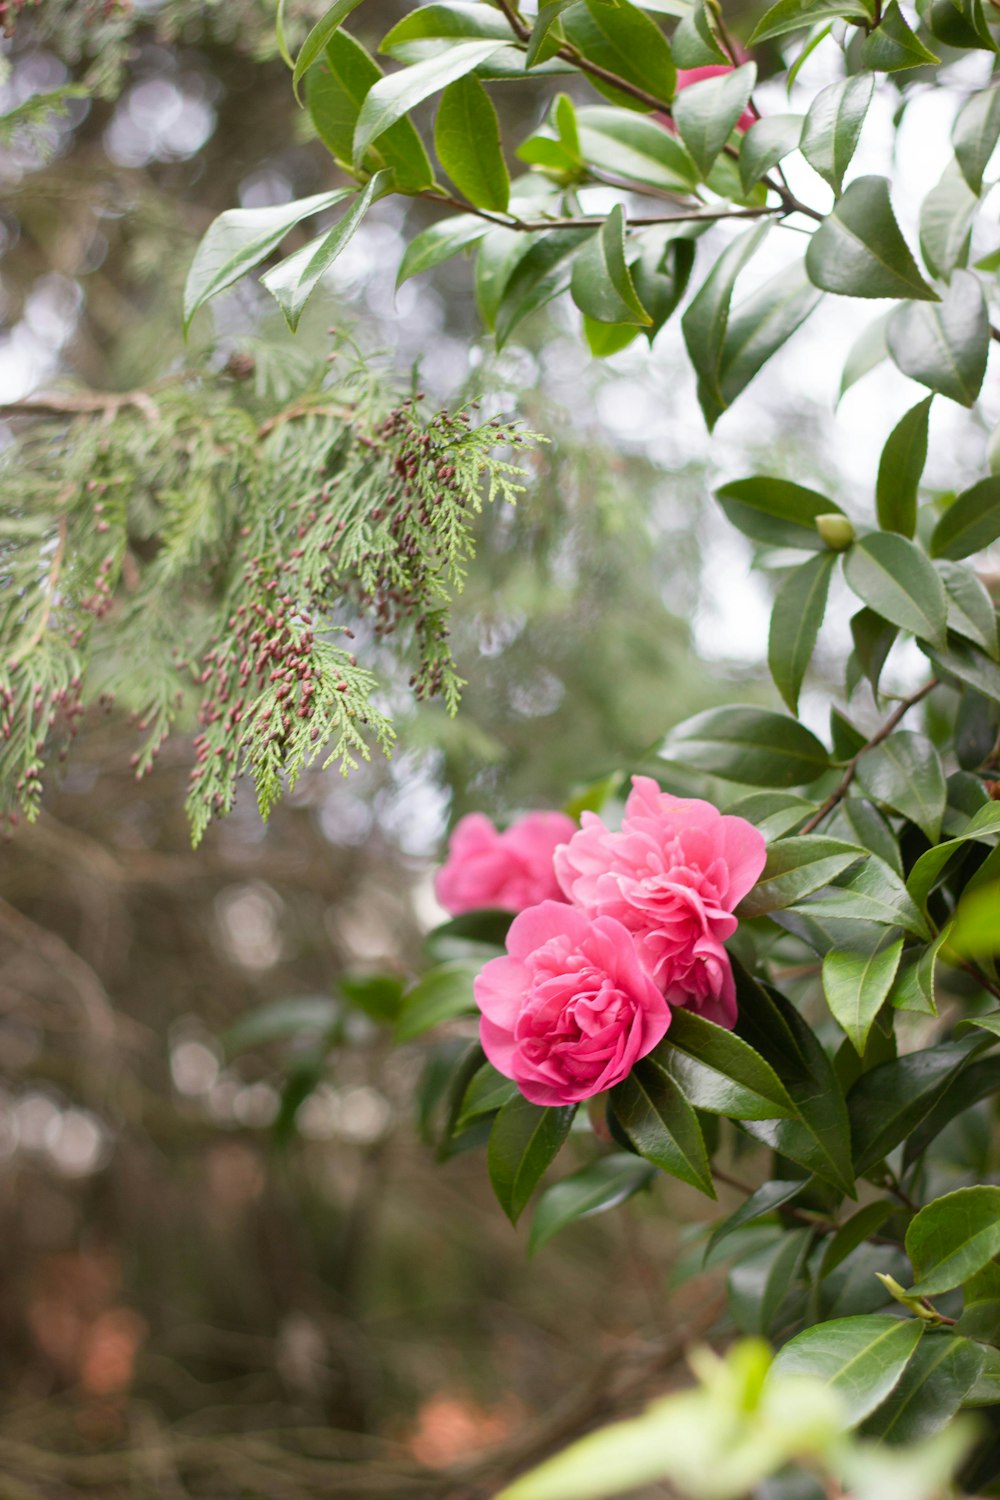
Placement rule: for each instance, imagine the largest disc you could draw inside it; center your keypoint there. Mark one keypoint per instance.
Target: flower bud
(836, 530)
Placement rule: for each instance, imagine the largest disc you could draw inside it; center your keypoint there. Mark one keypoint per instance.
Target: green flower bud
(836, 530)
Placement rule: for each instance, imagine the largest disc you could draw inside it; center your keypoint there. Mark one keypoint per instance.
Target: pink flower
(571, 1009)
(672, 877)
(511, 869)
(687, 76)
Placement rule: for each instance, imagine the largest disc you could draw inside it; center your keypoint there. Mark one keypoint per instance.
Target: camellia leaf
(315, 43)
(758, 328)
(625, 42)
(833, 126)
(593, 1190)
(900, 469)
(971, 523)
(867, 352)
(945, 345)
(952, 1238)
(540, 274)
(971, 611)
(759, 1284)
(857, 985)
(872, 893)
(905, 774)
(893, 46)
(854, 1232)
(975, 134)
(765, 1201)
(240, 239)
(706, 319)
(862, 1358)
(767, 142)
(873, 639)
(984, 826)
(795, 868)
(797, 614)
(467, 141)
(446, 19)
(706, 112)
(524, 1141)
(970, 665)
(292, 281)
(633, 146)
(859, 251)
(934, 1385)
(946, 216)
(600, 284)
(439, 243)
(750, 745)
(335, 93)
(795, 15)
(443, 993)
(895, 579)
(662, 1125)
(889, 1102)
(719, 1072)
(395, 95)
(776, 511)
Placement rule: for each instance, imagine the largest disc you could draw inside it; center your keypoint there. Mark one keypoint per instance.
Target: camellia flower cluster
(614, 929)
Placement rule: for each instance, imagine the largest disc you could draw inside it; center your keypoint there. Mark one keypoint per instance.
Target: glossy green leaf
(895, 579)
(706, 112)
(833, 127)
(759, 1284)
(625, 42)
(952, 1238)
(719, 1072)
(451, 19)
(279, 1021)
(593, 1190)
(694, 42)
(863, 824)
(795, 15)
(796, 617)
(893, 46)
(605, 339)
(751, 745)
(945, 345)
(776, 512)
(540, 273)
(946, 216)
(980, 1080)
(239, 240)
(795, 868)
(395, 95)
(969, 664)
(292, 282)
(857, 985)
(900, 469)
(862, 1358)
(543, 39)
(335, 93)
(761, 1204)
(934, 1385)
(706, 319)
(867, 1221)
(975, 134)
(523, 1143)
(905, 773)
(467, 141)
(971, 611)
(924, 876)
(873, 640)
(772, 813)
(600, 284)
(756, 329)
(867, 352)
(439, 243)
(890, 1101)
(859, 251)
(321, 34)
(960, 23)
(474, 935)
(767, 142)
(662, 1125)
(871, 893)
(485, 1093)
(636, 147)
(971, 523)
(660, 279)
(975, 930)
(379, 996)
(442, 994)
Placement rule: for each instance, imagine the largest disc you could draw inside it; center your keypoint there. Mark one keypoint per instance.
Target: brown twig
(840, 791)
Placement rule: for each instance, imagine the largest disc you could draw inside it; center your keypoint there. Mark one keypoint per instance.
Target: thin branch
(594, 221)
(840, 791)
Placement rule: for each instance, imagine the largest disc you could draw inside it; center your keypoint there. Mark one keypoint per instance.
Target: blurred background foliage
(231, 1265)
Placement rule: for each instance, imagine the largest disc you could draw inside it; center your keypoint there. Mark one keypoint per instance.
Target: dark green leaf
(971, 523)
(293, 281)
(944, 346)
(662, 1126)
(706, 112)
(922, 879)
(394, 96)
(467, 141)
(538, 275)
(797, 614)
(750, 745)
(600, 284)
(766, 1200)
(975, 133)
(776, 511)
(871, 893)
(706, 319)
(862, 1359)
(970, 665)
(854, 1232)
(795, 868)
(626, 42)
(633, 146)
(439, 243)
(524, 1141)
(441, 995)
(905, 773)
(475, 935)
(760, 1284)
(859, 251)
(900, 468)
(946, 216)
(279, 1021)
(767, 142)
(379, 996)
(719, 1072)
(772, 813)
(694, 42)
(335, 94)
(660, 279)
(971, 611)
(952, 1238)
(935, 1383)
(758, 328)
(543, 39)
(892, 46)
(873, 639)
(960, 23)
(451, 19)
(856, 986)
(863, 824)
(980, 1080)
(895, 579)
(316, 42)
(486, 1092)
(889, 1102)
(794, 15)
(593, 1190)
(833, 126)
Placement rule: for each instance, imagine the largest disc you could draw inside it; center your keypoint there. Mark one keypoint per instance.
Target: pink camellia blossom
(571, 1009)
(512, 869)
(672, 876)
